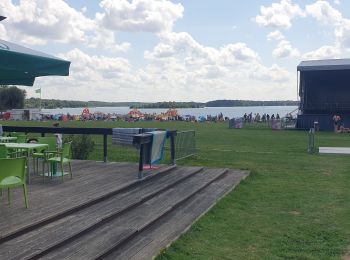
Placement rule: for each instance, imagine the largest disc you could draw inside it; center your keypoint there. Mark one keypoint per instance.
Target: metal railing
(141, 141)
(185, 144)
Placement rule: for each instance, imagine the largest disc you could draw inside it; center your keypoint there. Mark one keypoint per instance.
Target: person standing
(336, 121)
(58, 137)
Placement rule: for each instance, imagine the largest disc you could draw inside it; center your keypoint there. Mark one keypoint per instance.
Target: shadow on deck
(106, 212)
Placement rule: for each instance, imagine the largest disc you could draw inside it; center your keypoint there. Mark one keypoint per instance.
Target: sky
(180, 50)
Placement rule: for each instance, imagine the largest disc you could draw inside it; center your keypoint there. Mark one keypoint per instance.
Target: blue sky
(157, 50)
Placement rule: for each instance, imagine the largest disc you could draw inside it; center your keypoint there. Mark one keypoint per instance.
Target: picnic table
(7, 139)
(28, 148)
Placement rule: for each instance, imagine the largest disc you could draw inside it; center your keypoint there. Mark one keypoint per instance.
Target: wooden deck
(106, 212)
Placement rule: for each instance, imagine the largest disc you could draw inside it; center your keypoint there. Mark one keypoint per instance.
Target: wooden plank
(77, 223)
(71, 194)
(100, 228)
(138, 218)
(148, 243)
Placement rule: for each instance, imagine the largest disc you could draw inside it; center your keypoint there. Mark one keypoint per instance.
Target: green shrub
(82, 146)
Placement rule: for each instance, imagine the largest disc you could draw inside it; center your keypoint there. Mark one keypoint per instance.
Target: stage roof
(316, 65)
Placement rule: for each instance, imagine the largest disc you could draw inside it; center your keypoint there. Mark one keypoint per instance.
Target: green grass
(292, 206)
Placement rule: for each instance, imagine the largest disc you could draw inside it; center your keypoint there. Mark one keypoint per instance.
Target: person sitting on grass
(343, 129)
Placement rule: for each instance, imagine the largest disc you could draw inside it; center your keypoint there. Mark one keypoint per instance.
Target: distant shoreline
(56, 104)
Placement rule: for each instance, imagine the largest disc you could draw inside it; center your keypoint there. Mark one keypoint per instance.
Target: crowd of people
(249, 118)
(137, 115)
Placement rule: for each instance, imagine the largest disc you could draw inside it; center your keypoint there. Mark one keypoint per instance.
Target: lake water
(226, 111)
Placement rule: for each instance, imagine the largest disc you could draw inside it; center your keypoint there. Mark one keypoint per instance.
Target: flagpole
(40, 102)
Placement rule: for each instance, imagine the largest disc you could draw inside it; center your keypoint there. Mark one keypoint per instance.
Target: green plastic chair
(12, 175)
(21, 139)
(62, 157)
(44, 154)
(3, 151)
(13, 134)
(10, 153)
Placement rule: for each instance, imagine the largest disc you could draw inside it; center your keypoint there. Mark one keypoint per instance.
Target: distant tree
(11, 97)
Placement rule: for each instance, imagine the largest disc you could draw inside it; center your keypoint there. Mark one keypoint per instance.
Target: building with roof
(324, 91)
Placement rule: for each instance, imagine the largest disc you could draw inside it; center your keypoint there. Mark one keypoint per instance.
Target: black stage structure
(324, 90)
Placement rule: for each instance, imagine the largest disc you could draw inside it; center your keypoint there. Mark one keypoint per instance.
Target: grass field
(292, 206)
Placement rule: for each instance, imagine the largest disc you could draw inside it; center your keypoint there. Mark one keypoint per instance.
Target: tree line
(12, 97)
(56, 103)
(245, 103)
(171, 104)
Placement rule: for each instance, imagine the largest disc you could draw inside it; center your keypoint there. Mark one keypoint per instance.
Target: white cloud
(284, 49)
(279, 15)
(3, 33)
(238, 52)
(106, 39)
(324, 12)
(274, 73)
(342, 34)
(95, 68)
(38, 21)
(92, 77)
(181, 62)
(177, 68)
(324, 52)
(139, 15)
(275, 35)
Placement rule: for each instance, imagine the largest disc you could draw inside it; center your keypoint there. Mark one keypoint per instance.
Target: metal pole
(172, 148)
(297, 85)
(140, 174)
(105, 148)
(40, 102)
(311, 140)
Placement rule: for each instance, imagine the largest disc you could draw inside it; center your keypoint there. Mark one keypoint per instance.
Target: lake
(226, 111)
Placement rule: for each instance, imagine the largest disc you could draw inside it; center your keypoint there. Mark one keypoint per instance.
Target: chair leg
(25, 195)
(51, 166)
(28, 171)
(43, 167)
(70, 170)
(44, 163)
(34, 165)
(62, 172)
(9, 196)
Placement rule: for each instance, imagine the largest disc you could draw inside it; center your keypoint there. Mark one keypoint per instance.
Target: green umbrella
(20, 65)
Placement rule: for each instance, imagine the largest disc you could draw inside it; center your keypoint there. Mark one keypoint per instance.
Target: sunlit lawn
(293, 204)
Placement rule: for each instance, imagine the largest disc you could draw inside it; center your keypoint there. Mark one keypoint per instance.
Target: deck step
(159, 236)
(40, 240)
(58, 213)
(136, 219)
(113, 234)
